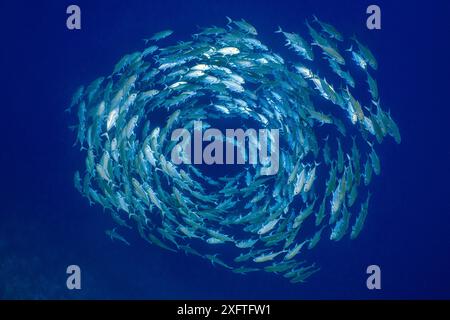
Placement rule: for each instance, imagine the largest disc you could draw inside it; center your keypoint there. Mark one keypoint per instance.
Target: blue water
(45, 225)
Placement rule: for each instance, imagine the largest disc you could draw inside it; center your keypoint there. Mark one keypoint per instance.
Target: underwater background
(45, 225)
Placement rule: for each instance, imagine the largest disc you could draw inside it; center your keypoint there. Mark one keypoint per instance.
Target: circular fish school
(237, 217)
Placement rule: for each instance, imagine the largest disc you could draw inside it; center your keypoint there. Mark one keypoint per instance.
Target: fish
(368, 172)
(312, 243)
(76, 98)
(266, 257)
(243, 25)
(332, 53)
(341, 226)
(360, 219)
(115, 236)
(267, 227)
(244, 270)
(77, 181)
(359, 60)
(215, 260)
(159, 35)
(373, 87)
(366, 53)
(228, 51)
(329, 29)
(300, 183)
(112, 118)
(243, 244)
(298, 44)
(310, 179)
(304, 273)
(338, 196)
(295, 250)
(375, 162)
(278, 267)
(320, 214)
(244, 256)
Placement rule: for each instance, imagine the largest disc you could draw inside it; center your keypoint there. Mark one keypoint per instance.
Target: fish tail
(376, 103)
(279, 30)
(307, 24)
(315, 19)
(229, 20)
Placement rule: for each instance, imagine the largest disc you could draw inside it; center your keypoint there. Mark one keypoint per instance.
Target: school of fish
(247, 221)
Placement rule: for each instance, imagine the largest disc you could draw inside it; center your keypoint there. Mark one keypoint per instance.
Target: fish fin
(106, 135)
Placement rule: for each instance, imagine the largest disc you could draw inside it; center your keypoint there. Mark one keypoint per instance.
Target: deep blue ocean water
(45, 225)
